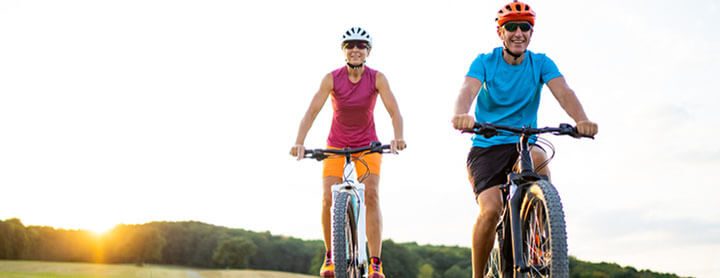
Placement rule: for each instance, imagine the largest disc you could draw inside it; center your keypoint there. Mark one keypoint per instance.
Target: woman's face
(356, 52)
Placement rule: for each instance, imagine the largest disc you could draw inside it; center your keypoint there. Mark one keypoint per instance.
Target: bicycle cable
(367, 167)
(542, 141)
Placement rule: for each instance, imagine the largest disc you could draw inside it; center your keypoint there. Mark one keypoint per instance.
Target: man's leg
(490, 204)
(539, 156)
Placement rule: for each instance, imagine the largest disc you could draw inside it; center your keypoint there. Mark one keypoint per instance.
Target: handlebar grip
(485, 130)
(377, 147)
(479, 125)
(572, 131)
(315, 154)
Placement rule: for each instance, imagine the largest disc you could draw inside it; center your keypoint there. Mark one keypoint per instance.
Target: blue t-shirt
(510, 94)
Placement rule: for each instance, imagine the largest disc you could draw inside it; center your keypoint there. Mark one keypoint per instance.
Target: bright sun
(99, 229)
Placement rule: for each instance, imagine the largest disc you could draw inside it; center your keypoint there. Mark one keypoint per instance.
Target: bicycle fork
(516, 199)
(362, 236)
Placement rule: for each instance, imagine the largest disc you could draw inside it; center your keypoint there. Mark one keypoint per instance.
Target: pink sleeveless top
(353, 104)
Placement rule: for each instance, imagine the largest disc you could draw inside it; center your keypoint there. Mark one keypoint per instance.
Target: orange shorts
(334, 166)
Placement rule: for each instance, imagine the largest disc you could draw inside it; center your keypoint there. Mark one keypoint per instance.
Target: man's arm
(462, 120)
(571, 104)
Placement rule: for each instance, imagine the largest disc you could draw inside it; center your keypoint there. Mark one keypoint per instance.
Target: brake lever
(486, 132)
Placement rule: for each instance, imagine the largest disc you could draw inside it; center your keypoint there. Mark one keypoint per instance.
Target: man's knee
(489, 215)
(490, 203)
(540, 161)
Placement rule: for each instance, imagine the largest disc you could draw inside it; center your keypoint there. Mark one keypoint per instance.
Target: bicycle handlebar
(490, 130)
(320, 154)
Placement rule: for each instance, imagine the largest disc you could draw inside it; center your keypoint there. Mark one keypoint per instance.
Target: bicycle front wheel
(492, 268)
(344, 237)
(543, 232)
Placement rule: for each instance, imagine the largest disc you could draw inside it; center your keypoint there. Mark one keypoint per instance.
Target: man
(354, 87)
(507, 83)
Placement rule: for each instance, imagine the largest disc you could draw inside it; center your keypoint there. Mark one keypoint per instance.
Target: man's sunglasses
(512, 26)
(353, 44)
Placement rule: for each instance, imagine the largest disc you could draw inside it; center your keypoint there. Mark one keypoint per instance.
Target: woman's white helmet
(356, 34)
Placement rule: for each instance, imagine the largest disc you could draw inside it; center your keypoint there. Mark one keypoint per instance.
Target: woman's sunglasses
(512, 26)
(353, 44)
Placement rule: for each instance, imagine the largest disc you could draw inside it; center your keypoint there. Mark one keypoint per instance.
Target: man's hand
(463, 121)
(587, 128)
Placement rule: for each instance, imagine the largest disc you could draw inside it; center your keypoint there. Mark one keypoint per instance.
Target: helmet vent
(357, 34)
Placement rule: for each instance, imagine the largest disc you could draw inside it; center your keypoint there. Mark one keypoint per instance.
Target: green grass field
(34, 269)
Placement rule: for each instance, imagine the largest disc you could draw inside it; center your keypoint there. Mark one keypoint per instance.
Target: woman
(354, 88)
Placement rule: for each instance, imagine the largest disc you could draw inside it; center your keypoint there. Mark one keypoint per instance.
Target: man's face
(516, 35)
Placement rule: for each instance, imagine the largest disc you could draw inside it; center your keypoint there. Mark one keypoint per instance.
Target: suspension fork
(516, 200)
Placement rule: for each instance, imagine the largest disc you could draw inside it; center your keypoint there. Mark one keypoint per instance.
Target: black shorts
(488, 167)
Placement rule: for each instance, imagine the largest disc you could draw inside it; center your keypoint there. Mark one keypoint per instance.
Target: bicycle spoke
(538, 256)
(350, 246)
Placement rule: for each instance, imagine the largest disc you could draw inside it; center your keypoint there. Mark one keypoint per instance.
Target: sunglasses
(353, 44)
(512, 26)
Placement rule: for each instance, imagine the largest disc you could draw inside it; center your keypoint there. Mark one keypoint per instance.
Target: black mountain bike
(531, 236)
(349, 251)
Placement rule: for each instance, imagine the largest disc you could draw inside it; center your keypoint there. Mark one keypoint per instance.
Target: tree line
(197, 244)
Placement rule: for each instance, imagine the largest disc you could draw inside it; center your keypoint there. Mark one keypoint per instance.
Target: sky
(135, 111)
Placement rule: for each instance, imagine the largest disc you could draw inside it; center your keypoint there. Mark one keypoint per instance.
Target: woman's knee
(327, 199)
(328, 182)
(372, 192)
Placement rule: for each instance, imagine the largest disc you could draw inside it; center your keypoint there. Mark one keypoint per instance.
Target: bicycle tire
(344, 237)
(543, 232)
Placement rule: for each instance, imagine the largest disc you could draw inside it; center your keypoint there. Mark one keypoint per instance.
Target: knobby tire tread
(342, 212)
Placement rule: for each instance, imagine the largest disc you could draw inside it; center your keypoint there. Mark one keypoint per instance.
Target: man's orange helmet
(515, 11)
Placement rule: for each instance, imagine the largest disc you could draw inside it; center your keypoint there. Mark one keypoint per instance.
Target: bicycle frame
(357, 192)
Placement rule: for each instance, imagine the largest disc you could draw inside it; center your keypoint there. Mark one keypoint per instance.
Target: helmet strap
(355, 66)
(515, 56)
